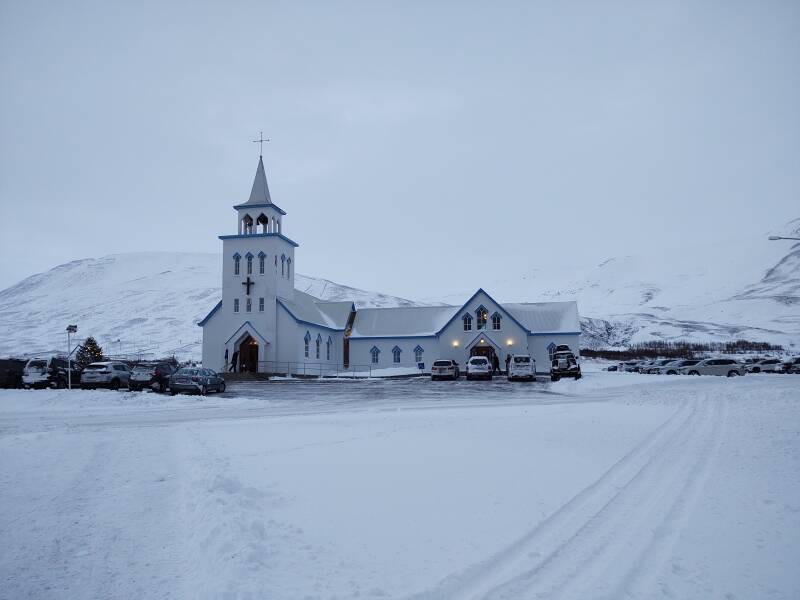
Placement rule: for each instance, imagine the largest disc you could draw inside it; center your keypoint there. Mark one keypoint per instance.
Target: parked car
(654, 367)
(49, 372)
(564, 364)
(479, 367)
(715, 366)
(792, 365)
(521, 366)
(445, 369)
(644, 365)
(11, 372)
(563, 348)
(630, 366)
(110, 374)
(768, 365)
(674, 367)
(192, 379)
(613, 368)
(153, 375)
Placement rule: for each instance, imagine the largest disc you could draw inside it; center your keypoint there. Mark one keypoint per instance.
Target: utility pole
(70, 330)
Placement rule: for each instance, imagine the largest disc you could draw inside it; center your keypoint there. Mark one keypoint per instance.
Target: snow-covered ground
(617, 485)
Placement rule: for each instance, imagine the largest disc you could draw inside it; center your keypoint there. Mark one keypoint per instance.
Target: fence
(320, 369)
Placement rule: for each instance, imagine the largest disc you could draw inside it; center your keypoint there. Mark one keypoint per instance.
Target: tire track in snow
(509, 572)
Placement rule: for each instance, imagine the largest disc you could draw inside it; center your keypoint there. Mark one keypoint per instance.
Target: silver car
(108, 374)
(715, 366)
(768, 365)
(674, 367)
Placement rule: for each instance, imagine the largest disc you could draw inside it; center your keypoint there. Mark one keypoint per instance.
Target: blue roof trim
(244, 325)
(555, 333)
(390, 337)
(237, 255)
(486, 337)
(291, 314)
(471, 298)
(397, 349)
(260, 205)
(211, 314)
(258, 235)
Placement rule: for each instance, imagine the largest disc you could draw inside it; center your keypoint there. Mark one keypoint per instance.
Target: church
(263, 324)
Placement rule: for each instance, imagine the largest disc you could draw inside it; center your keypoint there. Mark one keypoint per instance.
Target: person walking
(508, 362)
(234, 361)
(495, 364)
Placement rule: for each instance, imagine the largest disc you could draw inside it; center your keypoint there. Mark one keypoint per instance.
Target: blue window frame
(288, 267)
(376, 355)
(467, 322)
(248, 305)
(237, 260)
(319, 344)
(261, 260)
(482, 316)
(418, 352)
(249, 258)
(235, 305)
(306, 341)
(283, 265)
(260, 305)
(396, 351)
(328, 345)
(496, 321)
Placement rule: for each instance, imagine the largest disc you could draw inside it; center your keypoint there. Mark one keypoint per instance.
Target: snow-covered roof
(311, 310)
(404, 321)
(546, 317)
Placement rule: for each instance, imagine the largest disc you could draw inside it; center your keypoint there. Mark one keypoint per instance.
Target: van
(521, 366)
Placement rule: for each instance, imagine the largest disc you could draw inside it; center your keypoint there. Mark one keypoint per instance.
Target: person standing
(495, 364)
(508, 362)
(234, 361)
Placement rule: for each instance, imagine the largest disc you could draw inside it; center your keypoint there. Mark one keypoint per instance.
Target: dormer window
(482, 316)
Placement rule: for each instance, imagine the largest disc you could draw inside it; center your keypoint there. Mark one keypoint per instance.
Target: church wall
(361, 356)
(213, 350)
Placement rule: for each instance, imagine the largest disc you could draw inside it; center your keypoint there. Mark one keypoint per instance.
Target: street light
(778, 237)
(70, 330)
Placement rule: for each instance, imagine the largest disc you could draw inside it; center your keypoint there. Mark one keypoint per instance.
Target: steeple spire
(260, 192)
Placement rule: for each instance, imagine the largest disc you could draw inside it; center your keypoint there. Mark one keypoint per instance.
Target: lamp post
(772, 238)
(70, 330)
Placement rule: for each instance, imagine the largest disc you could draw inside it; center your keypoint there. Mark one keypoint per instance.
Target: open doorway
(248, 355)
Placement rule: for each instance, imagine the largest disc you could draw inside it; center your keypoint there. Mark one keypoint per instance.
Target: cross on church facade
(248, 282)
(260, 141)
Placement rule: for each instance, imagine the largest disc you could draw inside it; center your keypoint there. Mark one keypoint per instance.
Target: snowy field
(614, 486)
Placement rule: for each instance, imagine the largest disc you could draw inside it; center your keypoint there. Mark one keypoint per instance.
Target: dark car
(564, 365)
(11, 372)
(151, 375)
(792, 366)
(193, 379)
(50, 372)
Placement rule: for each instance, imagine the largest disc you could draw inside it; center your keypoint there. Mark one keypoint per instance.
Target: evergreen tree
(88, 353)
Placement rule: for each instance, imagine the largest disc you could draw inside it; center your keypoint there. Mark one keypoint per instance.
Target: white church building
(264, 324)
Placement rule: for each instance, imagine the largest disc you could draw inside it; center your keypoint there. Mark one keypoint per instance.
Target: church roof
(260, 192)
(305, 308)
(546, 317)
(405, 321)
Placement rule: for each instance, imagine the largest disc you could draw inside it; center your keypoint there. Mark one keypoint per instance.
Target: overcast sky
(416, 146)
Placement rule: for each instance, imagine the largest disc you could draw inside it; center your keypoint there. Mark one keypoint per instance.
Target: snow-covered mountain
(151, 302)
(147, 302)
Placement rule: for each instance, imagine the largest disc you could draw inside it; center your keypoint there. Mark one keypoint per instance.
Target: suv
(674, 367)
(110, 374)
(564, 364)
(445, 369)
(49, 372)
(154, 376)
(715, 366)
(521, 366)
(768, 365)
(792, 366)
(479, 367)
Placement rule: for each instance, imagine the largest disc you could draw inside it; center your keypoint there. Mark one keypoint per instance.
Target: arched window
(264, 222)
(396, 354)
(496, 319)
(483, 315)
(261, 260)
(289, 267)
(307, 341)
(418, 352)
(249, 258)
(467, 322)
(283, 265)
(249, 305)
(237, 259)
(328, 345)
(319, 344)
(551, 348)
(247, 222)
(376, 354)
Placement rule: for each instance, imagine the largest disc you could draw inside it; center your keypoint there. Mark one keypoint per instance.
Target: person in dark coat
(508, 362)
(234, 361)
(495, 364)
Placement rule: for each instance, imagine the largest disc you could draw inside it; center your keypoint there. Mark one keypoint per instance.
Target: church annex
(268, 326)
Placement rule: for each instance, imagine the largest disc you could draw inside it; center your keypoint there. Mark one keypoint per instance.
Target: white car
(655, 366)
(768, 365)
(108, 374)
(715, 366)
(445, 368)
(521, 366)
(674, 367)
(479, 367)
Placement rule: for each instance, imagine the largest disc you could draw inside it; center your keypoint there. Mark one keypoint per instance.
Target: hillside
(150, 302)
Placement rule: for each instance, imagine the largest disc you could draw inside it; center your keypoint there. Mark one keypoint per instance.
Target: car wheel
(553, 377)
(733, 373)
(756, 370)
(694, 373)
(172, 392)
(578, 376)
(115, 384)
(222, 387)
(672, 372)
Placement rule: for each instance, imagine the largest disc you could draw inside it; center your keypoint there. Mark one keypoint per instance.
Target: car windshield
(522, 359)
(478, 361)
(96, 367)
(188, 372)
(442, 363)
(38, 364)
(143, 368)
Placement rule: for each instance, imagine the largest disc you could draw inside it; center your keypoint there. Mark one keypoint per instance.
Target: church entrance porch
(248, 355)
(485, 346)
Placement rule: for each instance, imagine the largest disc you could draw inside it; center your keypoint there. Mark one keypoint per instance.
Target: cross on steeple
(260, 141)
(248, 282)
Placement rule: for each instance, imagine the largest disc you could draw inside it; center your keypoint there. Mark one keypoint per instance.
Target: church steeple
(260, 192)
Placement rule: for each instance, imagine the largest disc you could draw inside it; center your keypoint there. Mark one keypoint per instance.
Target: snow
(617, 485)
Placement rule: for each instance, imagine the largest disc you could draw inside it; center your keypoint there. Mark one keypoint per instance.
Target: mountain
(150, 302)
(145, 302)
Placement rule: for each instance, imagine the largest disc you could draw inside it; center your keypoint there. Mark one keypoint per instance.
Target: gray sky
(417, 147)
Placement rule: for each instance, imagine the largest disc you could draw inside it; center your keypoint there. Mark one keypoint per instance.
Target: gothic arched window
(328, 345)
(283, 265)
(319, 343)
(396, 354)
(376, 354)
(261, 259)
(247, 222)
(418, 352)
(306, 341)
(483, 315)
(288, 267)
(467, 322)
(249, 258)
(496, 320)
(237, 259)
